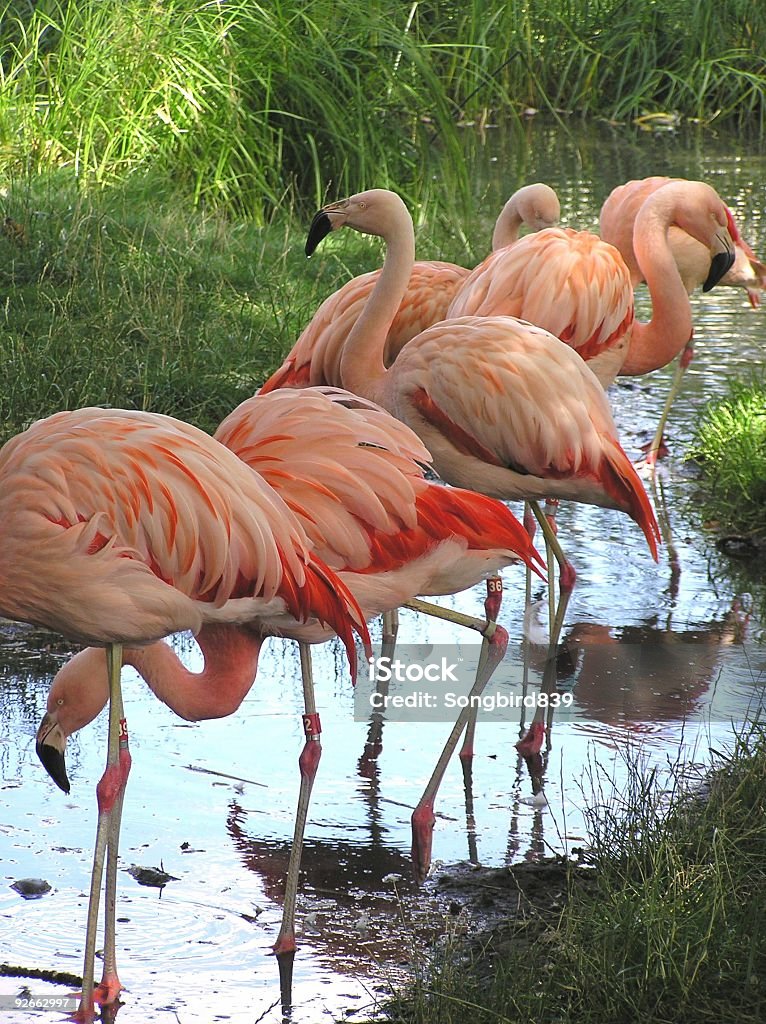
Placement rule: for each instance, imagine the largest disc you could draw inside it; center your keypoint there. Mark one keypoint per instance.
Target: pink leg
(109, 794)
(423, 819)
(657, 448)
(492, 603)
(308, 762)
(106, 993)
(531, 743)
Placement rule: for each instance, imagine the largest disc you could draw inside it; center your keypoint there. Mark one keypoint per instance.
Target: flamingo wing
(356, 475)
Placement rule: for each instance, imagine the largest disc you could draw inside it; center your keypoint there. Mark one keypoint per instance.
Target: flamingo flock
(313, 509)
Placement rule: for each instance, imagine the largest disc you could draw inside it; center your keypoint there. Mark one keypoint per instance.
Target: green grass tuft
(730, 447)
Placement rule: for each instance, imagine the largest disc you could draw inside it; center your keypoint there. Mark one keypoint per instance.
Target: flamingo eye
(60, 701)
(363, 206)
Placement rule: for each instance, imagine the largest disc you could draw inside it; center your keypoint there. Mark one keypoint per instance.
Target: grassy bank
(669, 927)
(730, 449)
(243, 104)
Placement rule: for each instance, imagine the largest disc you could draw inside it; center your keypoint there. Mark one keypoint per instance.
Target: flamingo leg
(308, 763)
(109, 988)
(390, 632)
(532, 741)
(663, 518)
(550, 510)
(657, 447)
(373, 744)
(492, 604)
(493, 648)
(109, 794)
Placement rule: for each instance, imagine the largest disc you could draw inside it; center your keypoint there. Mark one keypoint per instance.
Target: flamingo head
(370, 212)
(77, 695)
(50, 746)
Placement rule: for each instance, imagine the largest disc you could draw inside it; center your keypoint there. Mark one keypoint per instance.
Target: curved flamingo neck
(507, 225)
(362, 369)
(231, 662)
(658, 341)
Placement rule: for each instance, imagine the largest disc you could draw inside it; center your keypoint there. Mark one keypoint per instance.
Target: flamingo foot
(423, 821)
(532, 743)
(85, 1012)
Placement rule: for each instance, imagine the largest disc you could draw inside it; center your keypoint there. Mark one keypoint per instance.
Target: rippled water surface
(662, 663)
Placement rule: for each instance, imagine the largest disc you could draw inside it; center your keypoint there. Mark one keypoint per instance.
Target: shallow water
(662, 663)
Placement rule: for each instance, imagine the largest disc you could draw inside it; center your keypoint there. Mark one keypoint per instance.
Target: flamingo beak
(50, 746)
(323, 224)
(721, 264)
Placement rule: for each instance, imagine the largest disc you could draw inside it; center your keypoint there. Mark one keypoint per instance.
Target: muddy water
(662, 663)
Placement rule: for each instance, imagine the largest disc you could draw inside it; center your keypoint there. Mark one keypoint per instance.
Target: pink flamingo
(504, 407)
(616, 222)
(357, 488)
(124, 527)
(315, 357)
(692, 257)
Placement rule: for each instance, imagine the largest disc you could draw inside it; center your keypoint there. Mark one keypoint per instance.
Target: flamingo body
(503, 406)
(476, 390)
(121, 526)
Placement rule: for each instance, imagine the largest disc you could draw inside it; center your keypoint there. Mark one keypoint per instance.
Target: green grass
(162, 308)
(668, 928)
(730, 447)
(242, 105)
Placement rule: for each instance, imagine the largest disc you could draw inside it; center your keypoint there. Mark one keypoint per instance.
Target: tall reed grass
(243, 103)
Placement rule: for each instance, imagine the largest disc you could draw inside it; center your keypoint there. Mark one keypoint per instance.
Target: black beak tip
(321, 226)
(721, 263)
(53, 762)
